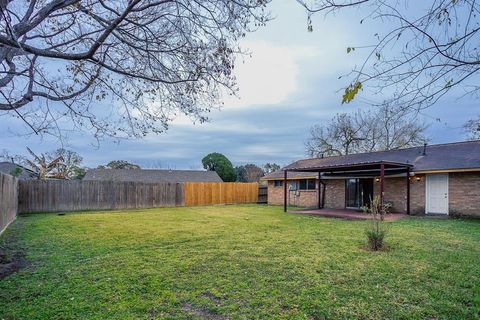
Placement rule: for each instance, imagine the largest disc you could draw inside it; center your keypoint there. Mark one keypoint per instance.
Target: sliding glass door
(358, 192)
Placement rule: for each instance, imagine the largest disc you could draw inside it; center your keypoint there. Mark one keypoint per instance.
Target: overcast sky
(290, 83)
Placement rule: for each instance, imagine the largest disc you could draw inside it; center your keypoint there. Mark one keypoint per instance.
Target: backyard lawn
(237, 262)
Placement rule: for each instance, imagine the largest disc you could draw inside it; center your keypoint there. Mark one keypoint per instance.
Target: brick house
(434, 179)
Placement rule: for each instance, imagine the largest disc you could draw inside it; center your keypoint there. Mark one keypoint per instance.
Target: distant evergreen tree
(221, 165)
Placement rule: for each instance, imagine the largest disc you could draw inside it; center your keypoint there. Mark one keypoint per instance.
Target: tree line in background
(58, 164)
(245, 173)
(68, 164)
(377, 129)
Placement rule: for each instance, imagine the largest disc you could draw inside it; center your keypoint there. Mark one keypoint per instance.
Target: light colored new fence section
(61, 195)
(208, 193)
(8, 200)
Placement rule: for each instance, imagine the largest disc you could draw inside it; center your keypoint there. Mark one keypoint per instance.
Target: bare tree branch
(426, 49)
(386, 128)
(119, 68)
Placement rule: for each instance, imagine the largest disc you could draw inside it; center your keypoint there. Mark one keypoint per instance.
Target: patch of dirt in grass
(12, 257)
(155, 314)
(201, 312)
(218, 301)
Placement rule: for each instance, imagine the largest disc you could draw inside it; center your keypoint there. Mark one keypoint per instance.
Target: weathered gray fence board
(8, 200)
(262, 194)
(61, 195)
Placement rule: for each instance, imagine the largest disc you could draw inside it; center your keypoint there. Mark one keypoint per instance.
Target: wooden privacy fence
(8, 200)
(208, 193)
(75, 195)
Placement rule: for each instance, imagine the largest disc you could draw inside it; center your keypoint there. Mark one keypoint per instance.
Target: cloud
(270, 75)
(290, 83)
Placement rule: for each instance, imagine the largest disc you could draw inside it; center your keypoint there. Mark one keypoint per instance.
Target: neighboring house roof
(26, 174)
(151, 176)
(448, 157)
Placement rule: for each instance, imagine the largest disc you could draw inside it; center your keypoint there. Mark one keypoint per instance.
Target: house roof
(151, 176)
(459, 155)
(26, 174)
(450, 156)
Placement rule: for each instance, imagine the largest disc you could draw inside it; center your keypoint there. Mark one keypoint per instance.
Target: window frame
(307, 186)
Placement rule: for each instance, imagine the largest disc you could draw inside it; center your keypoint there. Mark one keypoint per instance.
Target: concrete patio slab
(348, 214)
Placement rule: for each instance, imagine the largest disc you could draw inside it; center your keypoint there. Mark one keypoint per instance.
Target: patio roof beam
(355, 166)
(382, 180)
(319, 193)
(366, 173)
(408, 191)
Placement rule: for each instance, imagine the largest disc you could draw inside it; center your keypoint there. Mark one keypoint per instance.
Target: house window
(278, 183)
(306, 184)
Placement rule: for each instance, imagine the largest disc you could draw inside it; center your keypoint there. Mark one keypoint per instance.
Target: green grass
(239, 262)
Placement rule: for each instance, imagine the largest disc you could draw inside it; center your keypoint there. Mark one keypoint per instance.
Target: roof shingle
(449, 156)
(25, 174)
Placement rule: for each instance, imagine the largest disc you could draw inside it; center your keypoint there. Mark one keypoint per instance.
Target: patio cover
(341, 168)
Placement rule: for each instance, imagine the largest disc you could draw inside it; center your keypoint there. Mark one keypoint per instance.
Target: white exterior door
(437, 193)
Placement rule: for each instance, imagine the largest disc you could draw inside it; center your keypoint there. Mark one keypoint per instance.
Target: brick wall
(395, 191)
(417, 195)
(463, 189)
(334, 194)
(300, 198)
(464, 193)
(275, 194)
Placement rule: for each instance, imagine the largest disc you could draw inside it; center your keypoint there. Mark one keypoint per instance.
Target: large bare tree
(249, 173)
(119, 67)
(377, 129)
(342, 135)
(423, 50)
